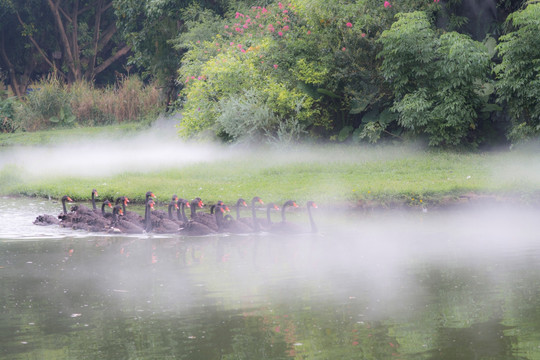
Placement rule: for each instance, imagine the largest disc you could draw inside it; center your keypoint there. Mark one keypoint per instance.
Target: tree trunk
(13, 81)
(74, 70)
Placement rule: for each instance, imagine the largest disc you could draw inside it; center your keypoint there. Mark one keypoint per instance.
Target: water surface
(405, 285)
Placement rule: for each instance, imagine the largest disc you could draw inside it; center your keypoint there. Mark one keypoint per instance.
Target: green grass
(66, 134)
(328, 174)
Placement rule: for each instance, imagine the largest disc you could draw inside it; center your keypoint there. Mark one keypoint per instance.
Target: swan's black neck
(94, 200)
(254, 216)
(219, 217)
(103, 208)
(64, 205)
(194, 205)
(184, 217)
(311, 221)
(268, 217)
(147, 218)
(171, 204)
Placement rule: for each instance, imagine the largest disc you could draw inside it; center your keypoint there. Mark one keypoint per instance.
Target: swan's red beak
(314, 205)
(227, 208)
(262, 202)
(244, 203)
(109, 205)
(221, 209)
(276, 207)
(121, 212)
(69, 199)
(187, 204)
(175, 205)
(201, 204)
(126, 200)
(295, 204)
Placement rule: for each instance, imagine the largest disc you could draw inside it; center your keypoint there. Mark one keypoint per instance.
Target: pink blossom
(199, 78)
(226, 26)
(280, 33)
(245, 26)
(285, 11)
(275, 66)
(231, 43)
(193, 78)
(198, 41)
(343, 49)
(264, 10)
(349, 25)
(363, 35)
(286, 27)
(280, 5)
(387, 4)
(309, 32)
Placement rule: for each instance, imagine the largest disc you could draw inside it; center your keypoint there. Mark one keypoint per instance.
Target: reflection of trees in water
(248, 297)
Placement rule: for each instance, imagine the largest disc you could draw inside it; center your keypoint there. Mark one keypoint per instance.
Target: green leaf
(345, 132)
(358, 105)
(328, 93)
(54, 119)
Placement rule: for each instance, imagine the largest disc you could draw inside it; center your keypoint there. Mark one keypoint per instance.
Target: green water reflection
(263, 297)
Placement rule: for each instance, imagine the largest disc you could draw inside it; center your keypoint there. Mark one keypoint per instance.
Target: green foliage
(437, 80)
(518, 73)
(8, 124)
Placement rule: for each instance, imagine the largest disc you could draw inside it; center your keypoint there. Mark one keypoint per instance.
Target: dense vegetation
(453, 73)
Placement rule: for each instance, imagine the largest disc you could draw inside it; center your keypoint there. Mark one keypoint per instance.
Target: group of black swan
(174, 221)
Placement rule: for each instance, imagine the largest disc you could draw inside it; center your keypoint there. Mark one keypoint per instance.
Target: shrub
(44, 100)
(52, 103)
(8, 124)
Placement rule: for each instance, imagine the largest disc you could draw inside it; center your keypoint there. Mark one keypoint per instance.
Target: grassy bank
(329, 174)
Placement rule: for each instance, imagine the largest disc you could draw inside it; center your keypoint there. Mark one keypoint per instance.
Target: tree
(437, 80)
(76, 39)
(518, 73)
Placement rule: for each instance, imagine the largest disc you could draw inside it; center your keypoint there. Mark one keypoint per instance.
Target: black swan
(148, 195)
(118, 224)
(47, 219)
(165, 225)
(287, 227)
(191, 227)
(252, 221)
(96, 222)
(203, 218)
(130, 216)
(266, 224)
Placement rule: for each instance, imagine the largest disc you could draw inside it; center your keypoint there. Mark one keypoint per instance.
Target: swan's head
(94, 192)
(291, 203)
(257, 199)
(108, 203)
(241, 202)
(150, 194)
(312, 204)
(174, 197)
(150, 203)
(66, 198)
(273, 206)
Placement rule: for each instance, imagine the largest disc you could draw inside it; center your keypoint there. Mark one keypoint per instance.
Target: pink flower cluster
(387, 4)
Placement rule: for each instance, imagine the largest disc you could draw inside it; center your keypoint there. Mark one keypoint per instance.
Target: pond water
(395, 285)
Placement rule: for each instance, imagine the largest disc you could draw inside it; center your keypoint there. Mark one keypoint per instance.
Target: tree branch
(123, 51)
(38, 48)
